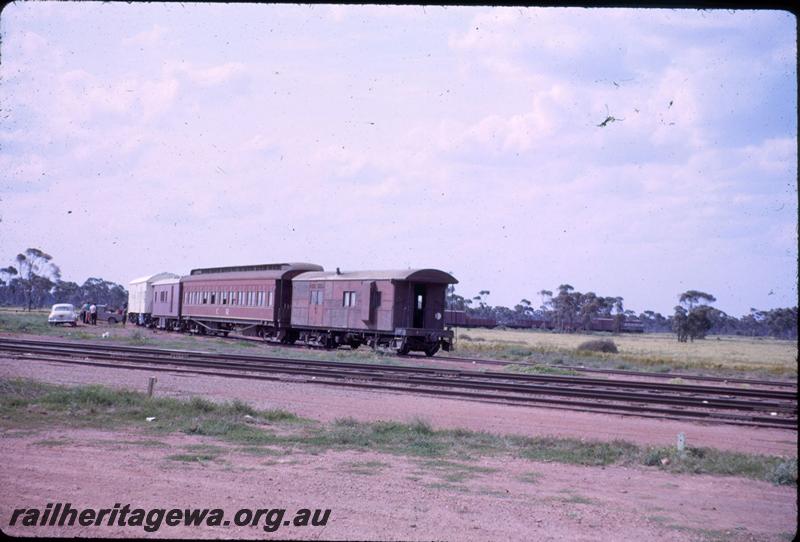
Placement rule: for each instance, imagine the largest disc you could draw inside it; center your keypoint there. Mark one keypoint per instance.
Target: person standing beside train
(93, 312)
(86, 313)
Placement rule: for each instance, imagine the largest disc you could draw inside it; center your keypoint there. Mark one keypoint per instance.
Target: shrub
(784, 473)
(599, 345)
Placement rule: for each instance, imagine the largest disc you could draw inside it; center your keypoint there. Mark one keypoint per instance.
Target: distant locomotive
(300, 302)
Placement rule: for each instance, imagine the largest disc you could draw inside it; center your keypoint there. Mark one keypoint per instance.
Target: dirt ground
(384, 497)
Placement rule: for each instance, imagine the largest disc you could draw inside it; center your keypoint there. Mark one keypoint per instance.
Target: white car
(63, 313)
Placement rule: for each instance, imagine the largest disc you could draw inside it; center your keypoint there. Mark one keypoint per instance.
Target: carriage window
(213, 297)
(419, 302)
(271, 292)
(205, 298)
(349, 299)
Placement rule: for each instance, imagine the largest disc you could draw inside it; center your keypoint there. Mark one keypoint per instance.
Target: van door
(418, 304)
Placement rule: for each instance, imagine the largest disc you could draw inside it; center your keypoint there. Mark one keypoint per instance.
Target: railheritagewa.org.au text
(153, 519)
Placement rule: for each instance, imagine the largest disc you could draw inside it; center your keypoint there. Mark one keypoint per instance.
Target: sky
(630, 152)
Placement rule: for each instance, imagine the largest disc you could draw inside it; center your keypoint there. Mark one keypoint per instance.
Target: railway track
(575, 368)
(623, 372)
(735, 405)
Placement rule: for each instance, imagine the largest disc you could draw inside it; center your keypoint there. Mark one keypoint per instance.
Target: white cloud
(147, 38)
(215, 75)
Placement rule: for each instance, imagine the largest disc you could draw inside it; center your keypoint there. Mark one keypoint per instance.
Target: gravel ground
(383, 497)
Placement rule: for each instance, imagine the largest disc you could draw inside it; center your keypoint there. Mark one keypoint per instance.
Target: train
(457, 318)
(302, 303)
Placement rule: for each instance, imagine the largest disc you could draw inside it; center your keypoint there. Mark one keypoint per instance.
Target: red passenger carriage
(253, 299)
(289, 302)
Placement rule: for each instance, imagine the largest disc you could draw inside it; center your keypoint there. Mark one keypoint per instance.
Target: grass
(37, 404)
(147, 443)
(53, 442)
(598, 345)
(32, 405)
(365, 468)
(28, 322)
(652, 351)
(192, 457)
(539, 370)
(577, 499)
(454, 472)
(530, 477)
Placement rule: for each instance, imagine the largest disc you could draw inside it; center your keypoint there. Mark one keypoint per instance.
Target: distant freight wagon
(454, 318)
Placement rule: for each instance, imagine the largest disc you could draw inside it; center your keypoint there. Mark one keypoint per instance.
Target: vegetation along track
(735, 405)
(623, 372)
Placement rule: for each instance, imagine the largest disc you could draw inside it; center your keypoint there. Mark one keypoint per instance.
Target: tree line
(568, 310)
(34, 281)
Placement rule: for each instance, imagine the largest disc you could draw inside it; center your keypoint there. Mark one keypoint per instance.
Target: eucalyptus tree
(693, 318)
(38, 274)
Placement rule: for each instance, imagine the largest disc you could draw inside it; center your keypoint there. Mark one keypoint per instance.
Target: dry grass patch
(651, 349)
